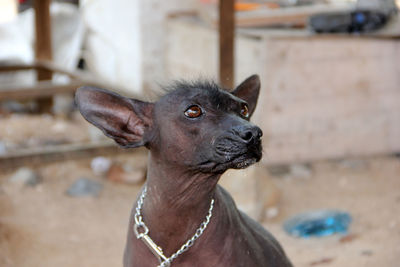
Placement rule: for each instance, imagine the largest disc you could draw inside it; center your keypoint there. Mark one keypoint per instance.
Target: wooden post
(226, 42)
(43, 49)
(60, 153)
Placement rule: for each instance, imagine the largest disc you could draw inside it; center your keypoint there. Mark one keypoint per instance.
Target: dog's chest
(232, 239)
(233, 249)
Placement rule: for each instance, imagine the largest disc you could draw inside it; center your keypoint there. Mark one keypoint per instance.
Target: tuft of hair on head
(204, 84)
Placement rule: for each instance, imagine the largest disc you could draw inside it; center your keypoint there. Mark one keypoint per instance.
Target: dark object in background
(84, 187)
(358, 21)
(26, 176)
(318, 223)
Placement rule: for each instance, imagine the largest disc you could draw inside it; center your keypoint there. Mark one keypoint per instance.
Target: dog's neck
(176, 203)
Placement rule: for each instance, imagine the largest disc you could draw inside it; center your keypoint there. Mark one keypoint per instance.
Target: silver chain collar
(156, 250)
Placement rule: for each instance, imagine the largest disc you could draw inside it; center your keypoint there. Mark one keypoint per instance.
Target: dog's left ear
(249, 91)
(128, 121)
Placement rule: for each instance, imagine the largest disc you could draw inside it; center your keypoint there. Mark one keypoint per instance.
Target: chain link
(139, 223)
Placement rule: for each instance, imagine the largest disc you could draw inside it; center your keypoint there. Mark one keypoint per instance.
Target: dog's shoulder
(254, 234)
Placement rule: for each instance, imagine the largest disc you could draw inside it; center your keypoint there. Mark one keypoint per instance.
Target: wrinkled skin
(187, 157)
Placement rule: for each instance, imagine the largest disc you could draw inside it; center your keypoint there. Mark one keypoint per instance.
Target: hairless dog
(194, 134)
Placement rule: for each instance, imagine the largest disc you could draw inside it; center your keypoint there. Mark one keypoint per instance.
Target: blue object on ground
(84, 187)
(318, 223)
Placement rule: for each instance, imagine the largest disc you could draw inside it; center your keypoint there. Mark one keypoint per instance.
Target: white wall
(113, 43)
(153, 15)
(126, 40)
(8, 10)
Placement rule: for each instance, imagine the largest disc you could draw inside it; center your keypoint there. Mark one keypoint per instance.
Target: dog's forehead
(200, 93)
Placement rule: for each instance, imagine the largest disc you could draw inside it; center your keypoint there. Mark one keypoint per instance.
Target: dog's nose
(250, 134)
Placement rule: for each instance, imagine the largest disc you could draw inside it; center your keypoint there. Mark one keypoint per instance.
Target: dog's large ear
(249, 91)
(123, 119)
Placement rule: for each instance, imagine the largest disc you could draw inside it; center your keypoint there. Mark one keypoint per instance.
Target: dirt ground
(41, 226)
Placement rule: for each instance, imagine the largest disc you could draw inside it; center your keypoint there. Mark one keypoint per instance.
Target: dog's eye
(244, 111)
(193, 112)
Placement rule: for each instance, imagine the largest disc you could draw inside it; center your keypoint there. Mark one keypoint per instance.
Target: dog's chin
(220, 162)
(242, 164)
(243, 161)
(239, 162)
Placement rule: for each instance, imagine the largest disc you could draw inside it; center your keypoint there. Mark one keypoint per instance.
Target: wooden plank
(38, 65)
(50, 66)
(299, 16)
(41, 65)
(42, 90)
(52, 154)
(46, 66)
(46, 88)
(8, 66)
(226, 42)
(43, 49)
(82, 76)
(264, 17)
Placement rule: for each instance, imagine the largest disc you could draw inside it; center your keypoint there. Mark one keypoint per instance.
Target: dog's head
(196, 125)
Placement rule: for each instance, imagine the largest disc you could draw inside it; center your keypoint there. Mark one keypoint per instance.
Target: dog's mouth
(243, 161)
(249, 156)
(234, 156)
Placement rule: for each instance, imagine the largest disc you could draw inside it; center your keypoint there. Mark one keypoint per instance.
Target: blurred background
(329, 108)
